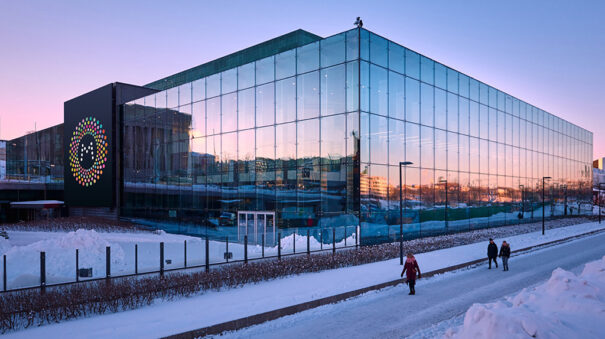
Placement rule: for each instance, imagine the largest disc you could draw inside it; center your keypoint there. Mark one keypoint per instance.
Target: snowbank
(566, 306)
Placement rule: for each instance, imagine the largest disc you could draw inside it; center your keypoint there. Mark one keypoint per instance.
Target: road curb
(260, 318)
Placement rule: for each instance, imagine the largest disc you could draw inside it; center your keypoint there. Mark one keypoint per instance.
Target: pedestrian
(505, 254)
(410, 268)
(492, 253)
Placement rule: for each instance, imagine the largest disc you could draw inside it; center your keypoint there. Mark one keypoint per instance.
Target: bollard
(162, 258)
(294, 242)
(185, 253)
(107, 262)
(245, 249)
(345, 236)
(136, 259)
(263, 245)
(77, 266)
(42, 270)
(278, 246)
(333, 240)
(207, 255)
(308, 244)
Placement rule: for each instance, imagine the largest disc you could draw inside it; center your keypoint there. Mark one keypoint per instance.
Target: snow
(170, 317)
(565, 306)
(391, 313)
(23, 249)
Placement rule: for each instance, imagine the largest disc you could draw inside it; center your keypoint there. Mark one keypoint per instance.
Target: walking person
(505, 254)
(410, 268)
(492, 253)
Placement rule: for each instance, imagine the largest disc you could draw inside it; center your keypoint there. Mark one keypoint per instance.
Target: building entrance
(259, 226)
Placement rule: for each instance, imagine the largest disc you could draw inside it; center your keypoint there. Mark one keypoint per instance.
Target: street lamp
(543, 202)
(599, 199)
(444, 181)
(401, 164)
(522, 188)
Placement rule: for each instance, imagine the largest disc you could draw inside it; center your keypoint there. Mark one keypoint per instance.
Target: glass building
(315, 134)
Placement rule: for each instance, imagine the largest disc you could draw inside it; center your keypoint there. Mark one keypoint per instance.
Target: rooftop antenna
(358, 22)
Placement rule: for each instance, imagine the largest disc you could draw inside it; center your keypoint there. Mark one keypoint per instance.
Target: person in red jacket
(411, 266)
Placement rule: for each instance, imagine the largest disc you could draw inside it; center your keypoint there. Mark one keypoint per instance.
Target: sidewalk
(170, 317)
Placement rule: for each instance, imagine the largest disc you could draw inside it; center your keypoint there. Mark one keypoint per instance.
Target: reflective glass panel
(426, 70)
(308, 142)
(378, 139)
(426, 104)
(245, 76)
(396, 95)
(332, 50)
(265, 70)
(412, 64)
(285, 64)
(396, 58)
(285, 100)
(265, 105)
(378, 50)
(333, 90)
(307, 98)
(333, 145)
(229, 81)
(229, 112)
(412, 100)
(378, 90)
(307, 58)
(245, 108)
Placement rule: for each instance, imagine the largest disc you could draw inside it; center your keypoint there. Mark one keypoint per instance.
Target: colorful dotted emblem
(88, 151)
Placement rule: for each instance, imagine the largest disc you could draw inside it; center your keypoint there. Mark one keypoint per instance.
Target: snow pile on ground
(566, 306)
(60, 256)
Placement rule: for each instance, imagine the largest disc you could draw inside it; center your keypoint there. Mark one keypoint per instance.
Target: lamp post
(444, 181)
(401, 164)
(522, 187)
(599, 199)
(543, 202)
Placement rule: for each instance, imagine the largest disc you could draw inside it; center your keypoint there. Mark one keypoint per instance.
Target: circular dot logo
(88, 151)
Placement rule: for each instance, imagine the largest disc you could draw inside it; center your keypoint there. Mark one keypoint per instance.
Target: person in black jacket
(492, 253)
(505, 254)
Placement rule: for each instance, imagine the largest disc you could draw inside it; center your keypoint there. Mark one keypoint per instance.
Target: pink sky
(552, 57)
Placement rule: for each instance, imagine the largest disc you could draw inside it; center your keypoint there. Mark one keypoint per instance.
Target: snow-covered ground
(565, 306)
(555, 309)
(170, 317)
(23, 248)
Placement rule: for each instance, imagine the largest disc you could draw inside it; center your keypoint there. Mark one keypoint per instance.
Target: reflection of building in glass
(317, 131)
(314, 129)
(36, 156)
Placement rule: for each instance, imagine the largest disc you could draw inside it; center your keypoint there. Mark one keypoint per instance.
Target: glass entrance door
(258, 226)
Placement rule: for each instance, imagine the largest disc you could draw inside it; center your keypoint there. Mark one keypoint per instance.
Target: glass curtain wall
(278, 134)
(478, 154)
(317, 133)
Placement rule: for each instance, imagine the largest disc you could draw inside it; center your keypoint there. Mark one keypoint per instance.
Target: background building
(313, 130)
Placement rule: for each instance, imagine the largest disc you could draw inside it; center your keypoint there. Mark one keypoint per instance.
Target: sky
(548, 53)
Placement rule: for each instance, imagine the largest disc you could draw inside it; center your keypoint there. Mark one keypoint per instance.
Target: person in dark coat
(505, 254)
(410, 268)
(492, 253)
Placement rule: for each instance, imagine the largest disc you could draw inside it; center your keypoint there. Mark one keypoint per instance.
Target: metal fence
(22, 271)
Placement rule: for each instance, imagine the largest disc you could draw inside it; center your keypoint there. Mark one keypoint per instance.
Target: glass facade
(317, 133)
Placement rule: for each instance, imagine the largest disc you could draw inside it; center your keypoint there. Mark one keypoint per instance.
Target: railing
(27, 270)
